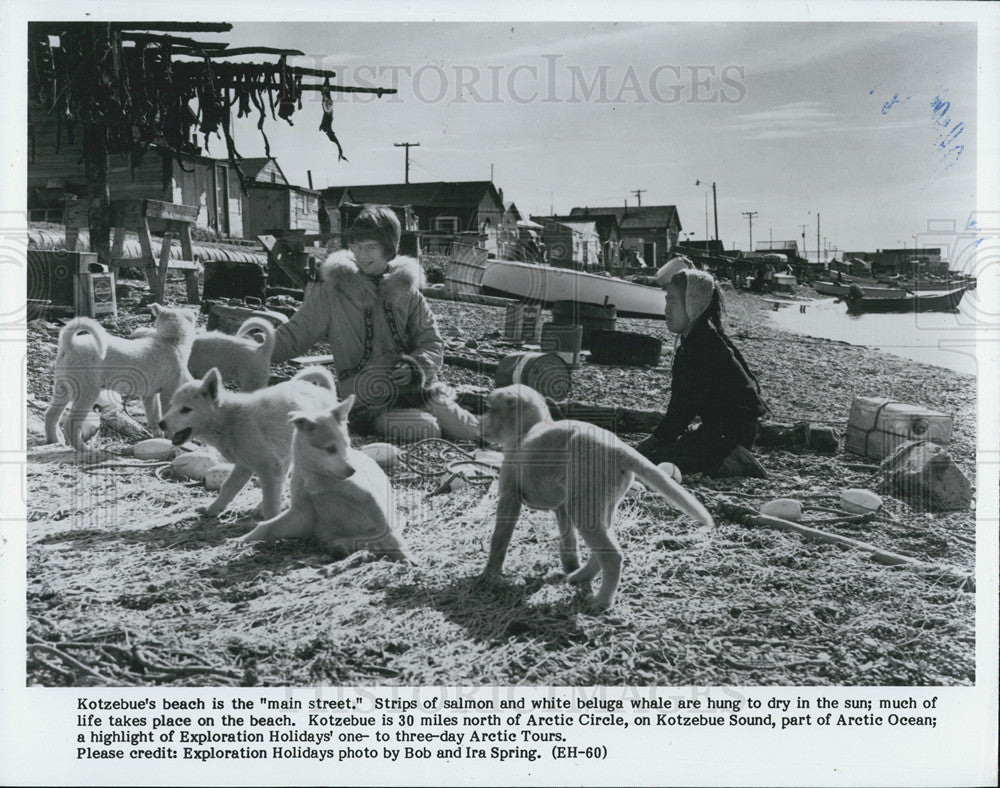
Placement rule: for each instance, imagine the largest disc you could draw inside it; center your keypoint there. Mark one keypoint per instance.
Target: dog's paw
(595, 605)
(210, 512)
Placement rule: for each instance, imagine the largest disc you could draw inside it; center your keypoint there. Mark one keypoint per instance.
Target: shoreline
(803, 378)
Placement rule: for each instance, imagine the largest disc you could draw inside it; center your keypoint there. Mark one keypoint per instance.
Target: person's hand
(402, 374)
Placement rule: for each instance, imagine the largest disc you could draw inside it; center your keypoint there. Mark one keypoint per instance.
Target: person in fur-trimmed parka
(385, 343)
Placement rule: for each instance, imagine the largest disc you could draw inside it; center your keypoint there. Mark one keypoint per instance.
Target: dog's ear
(342, 410)
(211, 383)
(190, 315)
(301, 420)
(155, 309)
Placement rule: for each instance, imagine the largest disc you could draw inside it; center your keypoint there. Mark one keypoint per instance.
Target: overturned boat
(545, 284)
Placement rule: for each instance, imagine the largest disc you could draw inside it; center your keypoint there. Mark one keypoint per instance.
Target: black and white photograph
(553, 351)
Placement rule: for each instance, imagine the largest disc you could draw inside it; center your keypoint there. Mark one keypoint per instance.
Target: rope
(437, 458)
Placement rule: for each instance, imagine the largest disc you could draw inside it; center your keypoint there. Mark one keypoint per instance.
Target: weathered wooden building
(56, 173)
(446, 207)
(272, 205)
(649, 231)
(577, 243)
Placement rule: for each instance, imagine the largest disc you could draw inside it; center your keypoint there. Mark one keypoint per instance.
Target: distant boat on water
(872, 291)
(948, 301)
(546, 284)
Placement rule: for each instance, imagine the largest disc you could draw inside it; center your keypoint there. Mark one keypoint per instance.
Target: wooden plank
(118, 247)
(187, 249)
(183, 265)
(305, 361)
(157, 209)
(126, 213)
(148, 261)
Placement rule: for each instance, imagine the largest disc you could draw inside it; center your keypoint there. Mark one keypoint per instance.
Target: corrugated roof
(633, 217)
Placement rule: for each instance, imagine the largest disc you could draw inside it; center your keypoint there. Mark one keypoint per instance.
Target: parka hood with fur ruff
(403, 276)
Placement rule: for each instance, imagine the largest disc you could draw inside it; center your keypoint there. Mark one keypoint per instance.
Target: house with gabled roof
(446, 207)
(650, 231)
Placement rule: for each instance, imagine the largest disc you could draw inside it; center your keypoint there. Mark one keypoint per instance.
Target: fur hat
(670, 268)
(700, 287)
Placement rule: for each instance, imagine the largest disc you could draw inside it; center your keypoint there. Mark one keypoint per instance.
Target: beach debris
(924, 475)
(858, 501)
(216, 475)
(154, 449)
(194, 465)
(462, 473)
(385, 454)
(747, 516)
(489, 457)
(672, 471)
(823, 439)
(784, 508)
(878, 426)
(798, 436)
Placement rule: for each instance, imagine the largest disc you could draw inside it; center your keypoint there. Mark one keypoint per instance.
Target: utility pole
(715, 209)
(819, 254)
(407, 145)
(638, 194)
(750, 215)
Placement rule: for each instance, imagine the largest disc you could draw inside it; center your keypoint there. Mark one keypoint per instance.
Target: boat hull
(545, 285)
(917, 302)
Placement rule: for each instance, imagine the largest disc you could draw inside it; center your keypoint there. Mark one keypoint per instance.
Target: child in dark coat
(710, 380)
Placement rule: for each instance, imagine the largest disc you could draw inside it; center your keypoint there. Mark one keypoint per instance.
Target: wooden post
(97, 159)
(161, 274)
(146, 242)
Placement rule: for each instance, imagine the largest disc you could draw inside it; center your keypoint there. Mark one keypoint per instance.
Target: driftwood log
(109, 417)
(747, 516)
(622, 421)
(467, 298)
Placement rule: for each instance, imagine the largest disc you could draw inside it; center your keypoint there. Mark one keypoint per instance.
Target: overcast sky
(870, 124)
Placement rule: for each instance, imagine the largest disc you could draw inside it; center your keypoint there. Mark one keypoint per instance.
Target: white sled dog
(90, 359)
(579, 470)
(250, 429)
(240, 358)
(340, 496)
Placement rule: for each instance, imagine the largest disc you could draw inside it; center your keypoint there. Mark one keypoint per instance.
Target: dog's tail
(318, 374)
(653, 477)
(265, 327)
(84, 325)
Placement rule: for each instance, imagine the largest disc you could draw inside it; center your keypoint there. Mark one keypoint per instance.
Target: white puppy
(250, 429)
(240, 358)
(90, 359)
(340, 496)
(579, 470)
